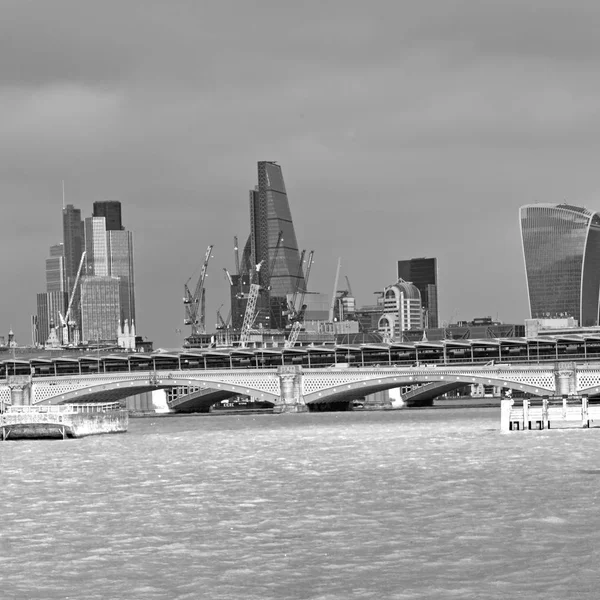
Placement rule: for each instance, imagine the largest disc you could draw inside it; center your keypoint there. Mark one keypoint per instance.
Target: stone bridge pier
(20, 389)
(565, 377)
(291, 400)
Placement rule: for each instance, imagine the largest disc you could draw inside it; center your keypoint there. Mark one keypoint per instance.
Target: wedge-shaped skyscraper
(269, 215)
(561, 248)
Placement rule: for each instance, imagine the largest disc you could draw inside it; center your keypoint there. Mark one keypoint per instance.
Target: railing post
(585, 419)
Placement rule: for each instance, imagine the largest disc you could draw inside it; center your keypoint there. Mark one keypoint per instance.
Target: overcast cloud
(403, 128)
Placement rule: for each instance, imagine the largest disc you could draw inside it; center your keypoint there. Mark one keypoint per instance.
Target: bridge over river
(291, 380)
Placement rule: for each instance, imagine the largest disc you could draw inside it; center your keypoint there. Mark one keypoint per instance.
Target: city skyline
(90, 295)
(403, 131)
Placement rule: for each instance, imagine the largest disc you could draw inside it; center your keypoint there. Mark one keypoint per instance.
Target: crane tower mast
(195, 308)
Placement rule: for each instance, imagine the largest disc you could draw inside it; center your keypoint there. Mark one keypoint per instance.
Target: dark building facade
(73, 241)
(111, 211)
(269, 215)
(422, 272)
(561, 249)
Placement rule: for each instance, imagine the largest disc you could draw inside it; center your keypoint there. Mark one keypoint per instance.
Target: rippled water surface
(403, 504)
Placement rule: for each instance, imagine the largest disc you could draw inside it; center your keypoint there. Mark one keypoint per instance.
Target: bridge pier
(291, 399)
(20, 389)
(565, 375)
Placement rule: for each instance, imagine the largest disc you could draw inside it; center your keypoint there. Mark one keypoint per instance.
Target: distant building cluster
(90, 284)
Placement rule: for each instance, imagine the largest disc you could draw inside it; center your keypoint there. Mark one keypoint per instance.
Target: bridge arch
(357, 389)
(118, 389)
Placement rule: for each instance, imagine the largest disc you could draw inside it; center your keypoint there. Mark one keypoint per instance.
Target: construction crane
(291, 310)
(255, 289)
(236, 255)
(249, 314)
(228, 275)
(298, 316)
(64, 321)
(195, 307)
(222, 323)
(274, 260)
(349, 287)
(302, 306)
(334, 294)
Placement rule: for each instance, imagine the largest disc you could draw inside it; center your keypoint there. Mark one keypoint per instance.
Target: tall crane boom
(334, 294)
(349, 287)
(65, 320)
(195, 307)
(236, 255)
(292, 310)
(306, 277)
(249, 314)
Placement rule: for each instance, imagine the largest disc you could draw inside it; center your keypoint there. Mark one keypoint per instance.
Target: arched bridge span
(293, 387)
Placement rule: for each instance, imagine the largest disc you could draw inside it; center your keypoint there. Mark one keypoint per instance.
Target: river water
(402, 505)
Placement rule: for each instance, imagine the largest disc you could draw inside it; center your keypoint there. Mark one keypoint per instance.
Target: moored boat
(63, 421)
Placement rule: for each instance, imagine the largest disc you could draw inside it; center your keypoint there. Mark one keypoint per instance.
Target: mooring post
(546, 423)
(585, 419)
(526, 423)
(505, 406)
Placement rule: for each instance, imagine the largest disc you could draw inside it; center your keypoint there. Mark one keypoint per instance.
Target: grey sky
(403, 129)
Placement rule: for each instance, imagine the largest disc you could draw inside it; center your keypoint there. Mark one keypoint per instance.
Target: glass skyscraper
(270, 214)
(73, 237)
(109, 259)
(100, 308)
(561, 249)
(120, 264)
(111, 211)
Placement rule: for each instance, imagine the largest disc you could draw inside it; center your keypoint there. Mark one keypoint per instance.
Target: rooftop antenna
(63, 188)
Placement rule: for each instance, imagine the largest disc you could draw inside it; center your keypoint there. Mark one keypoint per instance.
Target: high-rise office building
(561, 250)
(49, 305)
(96, 247)
(269, 215)
(55, 299)
(422, 272)
(73, 242)
(55, 270)
(109, 258)
(111, 211)
(120, 264)
(100, 308)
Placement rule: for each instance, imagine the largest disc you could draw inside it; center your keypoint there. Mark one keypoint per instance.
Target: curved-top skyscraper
(561, 248)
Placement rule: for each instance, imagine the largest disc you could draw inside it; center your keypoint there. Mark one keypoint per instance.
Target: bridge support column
(565, 377)
(291, 399)
(20, 389)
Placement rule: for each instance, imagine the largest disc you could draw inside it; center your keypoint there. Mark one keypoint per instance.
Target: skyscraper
(53, 302)
(111, 211)
(55, 270)
(109, 261)
(73, 237)
(120, 264)
(100, 308)
(561, 250)
(270, 214)
(422, 272)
